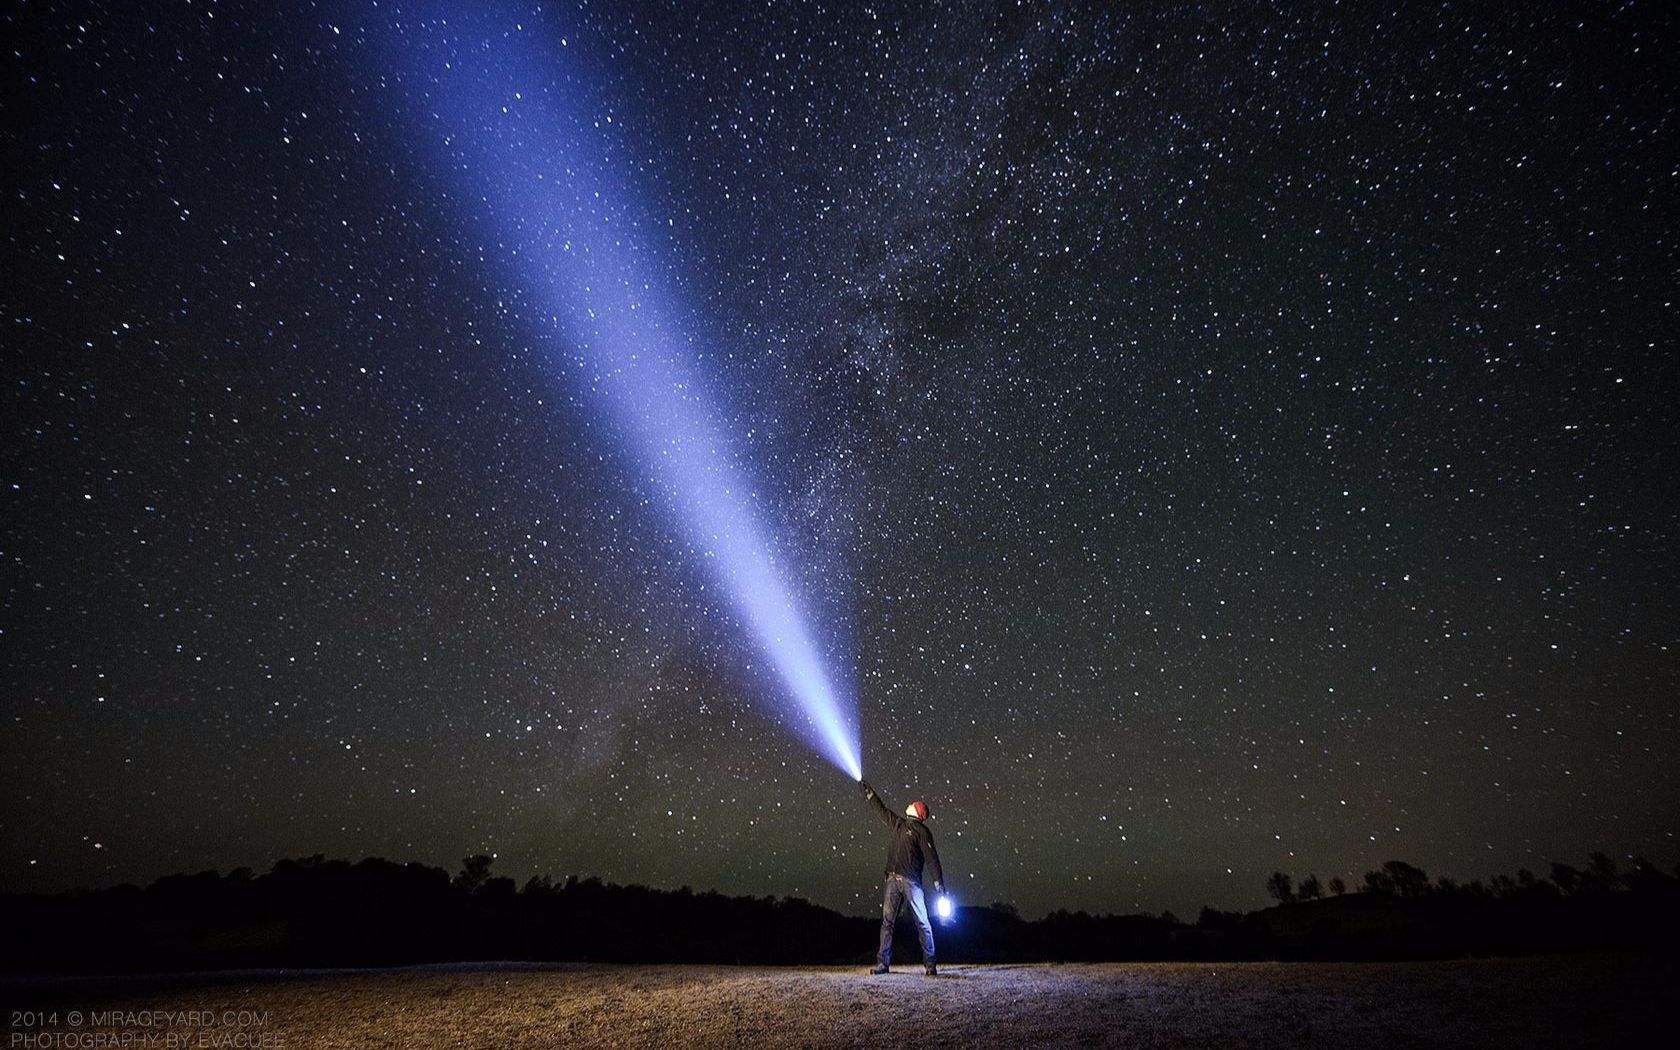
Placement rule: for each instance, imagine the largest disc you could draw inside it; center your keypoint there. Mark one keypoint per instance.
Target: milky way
(1215, 441)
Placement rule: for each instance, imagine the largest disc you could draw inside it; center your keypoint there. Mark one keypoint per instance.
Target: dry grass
(1583, 1001)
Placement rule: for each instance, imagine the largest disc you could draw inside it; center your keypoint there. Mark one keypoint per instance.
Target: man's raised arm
(881, 809)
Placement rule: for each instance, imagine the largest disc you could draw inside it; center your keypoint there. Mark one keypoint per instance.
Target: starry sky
(1209, 440)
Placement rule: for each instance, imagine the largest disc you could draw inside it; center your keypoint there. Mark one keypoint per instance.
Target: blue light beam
(536, 156)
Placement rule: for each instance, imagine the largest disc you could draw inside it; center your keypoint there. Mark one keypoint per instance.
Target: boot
(931, 970)
(880, 968)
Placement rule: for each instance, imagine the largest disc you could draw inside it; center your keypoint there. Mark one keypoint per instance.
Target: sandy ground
(1581, 1001)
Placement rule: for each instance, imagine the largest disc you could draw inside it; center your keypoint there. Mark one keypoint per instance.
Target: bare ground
(1573, 1001)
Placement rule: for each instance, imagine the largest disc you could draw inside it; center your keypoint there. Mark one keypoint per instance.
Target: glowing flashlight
(942, 907)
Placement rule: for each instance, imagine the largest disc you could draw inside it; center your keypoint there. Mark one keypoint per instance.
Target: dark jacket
(912, 844)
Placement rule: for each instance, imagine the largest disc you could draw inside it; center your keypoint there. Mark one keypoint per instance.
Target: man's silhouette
(910, 853)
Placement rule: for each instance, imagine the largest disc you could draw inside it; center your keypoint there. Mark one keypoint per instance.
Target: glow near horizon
(544, 172)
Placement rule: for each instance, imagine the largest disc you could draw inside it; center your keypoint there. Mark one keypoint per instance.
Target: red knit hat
(921, 809)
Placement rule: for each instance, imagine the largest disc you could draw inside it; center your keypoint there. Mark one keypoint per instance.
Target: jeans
(898, 891)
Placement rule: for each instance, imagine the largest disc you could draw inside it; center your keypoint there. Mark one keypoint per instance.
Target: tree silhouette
(1568, 879)
(475, 871)
(1408, 881)
(1214, 919)
(1310, 889)
(1337, 886)
(1281, 887)
(1603, 872)
(1396, 878)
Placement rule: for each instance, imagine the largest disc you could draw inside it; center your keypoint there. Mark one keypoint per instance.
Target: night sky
(1206, 442)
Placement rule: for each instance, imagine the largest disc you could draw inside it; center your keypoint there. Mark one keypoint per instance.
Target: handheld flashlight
(943, 907)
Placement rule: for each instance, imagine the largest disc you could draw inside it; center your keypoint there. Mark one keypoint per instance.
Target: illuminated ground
(1521, 1002)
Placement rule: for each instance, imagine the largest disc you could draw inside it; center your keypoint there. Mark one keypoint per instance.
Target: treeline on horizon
(314, 912)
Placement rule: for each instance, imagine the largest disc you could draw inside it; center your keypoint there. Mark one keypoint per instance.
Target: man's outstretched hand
(868, 792)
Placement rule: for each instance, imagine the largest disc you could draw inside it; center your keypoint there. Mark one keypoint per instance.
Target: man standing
(911, 850)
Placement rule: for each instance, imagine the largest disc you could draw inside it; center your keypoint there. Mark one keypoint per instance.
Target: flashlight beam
(518, 129)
